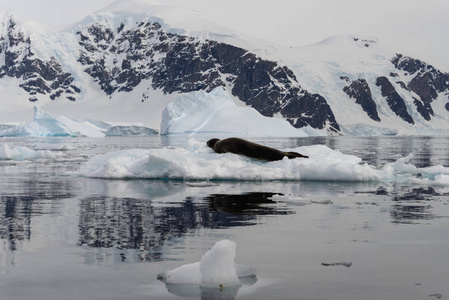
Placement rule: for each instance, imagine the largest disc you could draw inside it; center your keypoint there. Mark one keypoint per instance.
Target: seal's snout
(211, 143)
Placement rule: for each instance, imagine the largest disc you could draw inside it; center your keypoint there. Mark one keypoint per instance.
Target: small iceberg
(215, 273)
(24, 154)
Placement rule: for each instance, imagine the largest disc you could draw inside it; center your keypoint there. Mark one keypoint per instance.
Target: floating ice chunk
(403, 165)
(24, 153)
(201, 184)
(185, 274)
(347, 264)
(324, 202)
(198, 162)
(217, 269)
(130, 130)
(439, 180)
(217, 266)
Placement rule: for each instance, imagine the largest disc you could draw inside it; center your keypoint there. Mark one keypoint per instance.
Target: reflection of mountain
(15, 225)
(37, 199)
(132, 223)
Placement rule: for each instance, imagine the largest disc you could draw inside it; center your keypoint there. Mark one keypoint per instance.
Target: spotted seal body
(250, 149)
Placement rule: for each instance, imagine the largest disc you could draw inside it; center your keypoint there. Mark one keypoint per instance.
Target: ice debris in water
(347, 264)
(216, 269)
(24, 153)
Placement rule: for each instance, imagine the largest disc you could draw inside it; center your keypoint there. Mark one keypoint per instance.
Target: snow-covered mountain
(128, 61)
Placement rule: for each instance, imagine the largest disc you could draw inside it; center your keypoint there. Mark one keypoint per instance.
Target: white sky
(415, 27)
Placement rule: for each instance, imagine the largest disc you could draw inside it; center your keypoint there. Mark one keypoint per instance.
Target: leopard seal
(250, 149)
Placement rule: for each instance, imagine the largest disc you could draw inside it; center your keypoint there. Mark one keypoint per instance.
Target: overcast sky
(420, 28)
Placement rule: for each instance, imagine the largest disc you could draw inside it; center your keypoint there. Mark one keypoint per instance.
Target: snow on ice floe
(216, 269)
(24, 153)
(197, 162)
(216, 112)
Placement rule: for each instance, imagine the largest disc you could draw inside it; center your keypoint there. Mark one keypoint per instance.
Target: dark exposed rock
(427, 82)
(176, 63)
(38, 76)
(395, 102)
(360, 91)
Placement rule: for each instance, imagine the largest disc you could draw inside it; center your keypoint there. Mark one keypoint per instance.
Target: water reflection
(38, 197)
(146, 225)
(413, 206)
(246, 204)
(195, 291)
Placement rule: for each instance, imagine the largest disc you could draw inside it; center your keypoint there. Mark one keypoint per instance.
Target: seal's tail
(292, 155)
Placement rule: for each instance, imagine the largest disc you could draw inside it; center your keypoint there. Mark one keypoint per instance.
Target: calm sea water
(69, 237)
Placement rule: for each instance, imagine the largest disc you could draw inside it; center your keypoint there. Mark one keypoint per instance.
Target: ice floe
(197, 162)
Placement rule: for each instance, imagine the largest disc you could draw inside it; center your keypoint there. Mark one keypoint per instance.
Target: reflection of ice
(216, 276)
(124, 223)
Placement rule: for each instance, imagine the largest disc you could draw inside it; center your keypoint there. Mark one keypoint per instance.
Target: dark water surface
(69, 237)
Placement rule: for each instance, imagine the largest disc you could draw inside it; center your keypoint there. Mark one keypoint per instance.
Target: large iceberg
(46, 125)
(199, 112)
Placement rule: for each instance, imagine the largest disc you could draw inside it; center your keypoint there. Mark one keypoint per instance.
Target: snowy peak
(173, 19)
(37, 76)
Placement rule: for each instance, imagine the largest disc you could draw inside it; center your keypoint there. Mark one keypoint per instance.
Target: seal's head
(211, 143)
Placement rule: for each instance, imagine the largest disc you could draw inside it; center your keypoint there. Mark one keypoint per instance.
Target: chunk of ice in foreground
(216, 269)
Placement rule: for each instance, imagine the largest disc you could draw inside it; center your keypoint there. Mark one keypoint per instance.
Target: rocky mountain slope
(340, 85)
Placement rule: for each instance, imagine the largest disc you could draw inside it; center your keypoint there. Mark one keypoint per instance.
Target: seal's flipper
(292, 155)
